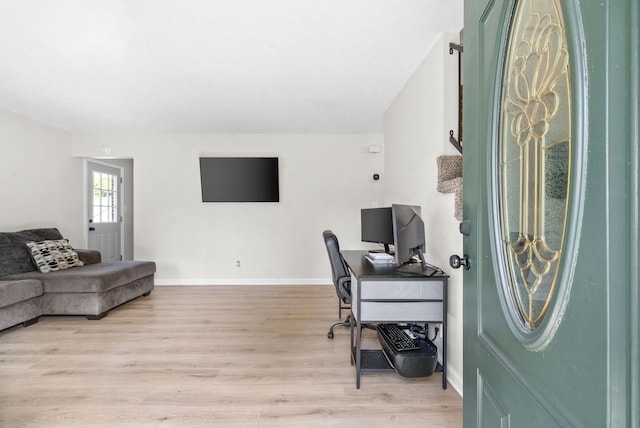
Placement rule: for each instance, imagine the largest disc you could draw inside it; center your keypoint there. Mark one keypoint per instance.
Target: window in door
(105, 198)
(534, 153)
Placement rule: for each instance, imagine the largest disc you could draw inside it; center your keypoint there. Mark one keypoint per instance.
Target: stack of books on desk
(380, 259)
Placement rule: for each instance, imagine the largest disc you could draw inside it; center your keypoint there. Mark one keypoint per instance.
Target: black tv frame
(240, 179)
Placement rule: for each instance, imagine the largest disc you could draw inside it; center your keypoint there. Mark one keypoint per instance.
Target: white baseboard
(247, 281)
(455, 380)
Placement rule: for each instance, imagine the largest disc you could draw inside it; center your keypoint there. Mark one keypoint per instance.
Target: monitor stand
(387, 250)
(421, 268)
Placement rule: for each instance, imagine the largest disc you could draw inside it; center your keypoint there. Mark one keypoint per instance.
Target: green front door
(551, 330)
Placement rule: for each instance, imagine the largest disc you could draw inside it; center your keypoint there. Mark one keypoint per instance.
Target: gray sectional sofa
(91, 290)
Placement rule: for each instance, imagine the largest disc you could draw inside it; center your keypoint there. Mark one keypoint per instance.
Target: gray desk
(382, 294)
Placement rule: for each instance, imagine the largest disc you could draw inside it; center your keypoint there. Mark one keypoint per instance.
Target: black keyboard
(397, 338)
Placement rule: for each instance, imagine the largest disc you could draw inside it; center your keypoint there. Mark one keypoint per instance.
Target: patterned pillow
(53, 255)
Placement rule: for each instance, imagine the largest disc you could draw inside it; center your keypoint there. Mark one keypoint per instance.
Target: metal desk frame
(391, 308)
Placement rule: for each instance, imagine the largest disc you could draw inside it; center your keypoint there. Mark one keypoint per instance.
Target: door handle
(91, 229)
(456, 261)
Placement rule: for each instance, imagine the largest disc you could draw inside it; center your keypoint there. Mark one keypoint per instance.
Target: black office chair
(341, 278)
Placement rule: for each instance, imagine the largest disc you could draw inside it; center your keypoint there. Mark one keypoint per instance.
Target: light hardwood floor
(208, 356)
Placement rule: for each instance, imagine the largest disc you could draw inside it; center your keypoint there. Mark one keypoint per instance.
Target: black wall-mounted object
(457, 143)
(239, 179)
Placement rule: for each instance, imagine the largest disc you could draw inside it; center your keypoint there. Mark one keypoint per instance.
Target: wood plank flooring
(208, 356)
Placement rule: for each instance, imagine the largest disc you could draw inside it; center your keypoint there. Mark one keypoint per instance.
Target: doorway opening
(109, 208)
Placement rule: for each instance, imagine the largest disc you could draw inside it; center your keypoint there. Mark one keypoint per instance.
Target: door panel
(517, 409)
(492, 412)
(584, 371)
(107, 242)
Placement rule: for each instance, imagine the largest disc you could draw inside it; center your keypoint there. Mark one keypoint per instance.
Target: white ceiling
(275, 66)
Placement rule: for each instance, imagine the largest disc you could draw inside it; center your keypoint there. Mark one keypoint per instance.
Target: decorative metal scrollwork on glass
(534, 158)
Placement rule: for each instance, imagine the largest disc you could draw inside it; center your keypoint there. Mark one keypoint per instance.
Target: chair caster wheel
(330, 335)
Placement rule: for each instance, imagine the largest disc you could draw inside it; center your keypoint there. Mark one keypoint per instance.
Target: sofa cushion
(18, 291)
(53, 255)
(95, 278)
(14, 254)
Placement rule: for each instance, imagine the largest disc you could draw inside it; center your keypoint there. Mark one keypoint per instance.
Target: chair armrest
(344, 289)
(89, 257)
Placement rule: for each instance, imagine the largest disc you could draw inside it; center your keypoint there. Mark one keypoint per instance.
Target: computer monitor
(409, 238)
(377, 226)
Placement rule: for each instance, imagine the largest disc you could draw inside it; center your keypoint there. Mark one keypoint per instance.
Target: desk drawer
(391, 289)
(400, 311)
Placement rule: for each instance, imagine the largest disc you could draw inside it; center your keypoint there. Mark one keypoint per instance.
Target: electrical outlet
(238, 263)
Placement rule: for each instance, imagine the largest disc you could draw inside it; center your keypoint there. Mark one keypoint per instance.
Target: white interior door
(104, 189)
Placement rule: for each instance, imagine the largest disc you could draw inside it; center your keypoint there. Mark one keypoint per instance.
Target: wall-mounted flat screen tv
(239, 179)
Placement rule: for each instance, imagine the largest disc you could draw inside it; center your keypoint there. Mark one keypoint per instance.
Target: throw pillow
(53, 255)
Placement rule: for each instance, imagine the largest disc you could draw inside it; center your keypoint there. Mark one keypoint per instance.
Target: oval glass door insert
(534, 159)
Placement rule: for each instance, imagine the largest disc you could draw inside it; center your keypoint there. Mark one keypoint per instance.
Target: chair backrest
(339, 270)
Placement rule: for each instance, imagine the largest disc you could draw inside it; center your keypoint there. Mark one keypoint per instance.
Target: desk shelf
(372, 360)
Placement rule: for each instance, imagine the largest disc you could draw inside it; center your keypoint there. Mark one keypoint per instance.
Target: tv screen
(239, 179)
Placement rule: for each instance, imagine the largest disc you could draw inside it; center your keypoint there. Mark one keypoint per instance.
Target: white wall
(41, 182)
(417, 128)
(324, 181)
